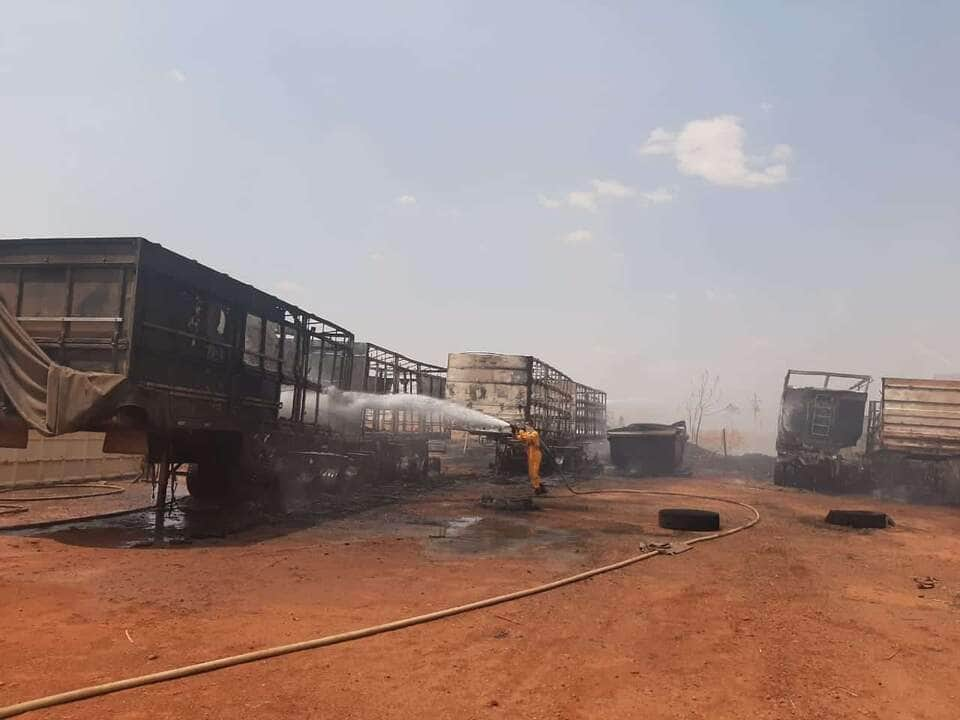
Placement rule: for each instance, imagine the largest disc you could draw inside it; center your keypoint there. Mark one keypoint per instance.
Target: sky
(633, 192)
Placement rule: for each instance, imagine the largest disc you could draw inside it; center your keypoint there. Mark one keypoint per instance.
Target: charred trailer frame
(648, 448)
(205, 359)
(386, 372)
(817, 422)
(403, 437)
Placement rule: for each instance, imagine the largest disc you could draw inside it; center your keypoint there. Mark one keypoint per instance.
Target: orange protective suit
(531, 438)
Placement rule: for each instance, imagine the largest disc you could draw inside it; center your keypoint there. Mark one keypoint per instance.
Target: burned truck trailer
(168, 357)
(524, 390)
(818, 421)
(913, 440)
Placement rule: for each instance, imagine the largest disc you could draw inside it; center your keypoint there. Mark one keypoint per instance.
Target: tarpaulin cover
(51, 398)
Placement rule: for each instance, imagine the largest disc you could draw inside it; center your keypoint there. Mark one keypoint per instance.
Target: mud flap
(127, 442)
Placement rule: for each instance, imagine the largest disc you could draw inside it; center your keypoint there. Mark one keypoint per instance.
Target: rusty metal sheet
(920, 417)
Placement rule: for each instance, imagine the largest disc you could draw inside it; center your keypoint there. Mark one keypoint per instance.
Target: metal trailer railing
(591, 413)
(551, 402)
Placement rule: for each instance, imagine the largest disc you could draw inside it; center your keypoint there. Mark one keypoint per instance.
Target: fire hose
(103, 488)
(280, 650)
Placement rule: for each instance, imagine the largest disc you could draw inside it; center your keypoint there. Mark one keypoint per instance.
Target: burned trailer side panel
(920, 417)
(493, 384)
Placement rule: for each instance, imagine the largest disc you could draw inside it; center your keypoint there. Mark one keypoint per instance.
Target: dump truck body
(648, 448)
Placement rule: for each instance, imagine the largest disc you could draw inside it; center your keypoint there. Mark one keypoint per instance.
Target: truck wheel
(687, 519)
(859, 518)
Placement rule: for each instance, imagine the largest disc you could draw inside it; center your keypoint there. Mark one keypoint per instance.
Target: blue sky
(480, 176)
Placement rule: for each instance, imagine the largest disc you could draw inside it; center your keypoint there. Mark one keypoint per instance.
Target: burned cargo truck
(524, 390)
(816, 423)
(171, 360)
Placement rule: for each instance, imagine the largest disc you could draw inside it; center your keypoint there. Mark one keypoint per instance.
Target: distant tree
(705, 399)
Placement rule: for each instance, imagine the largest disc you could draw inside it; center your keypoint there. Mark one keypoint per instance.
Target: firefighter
(531, 438)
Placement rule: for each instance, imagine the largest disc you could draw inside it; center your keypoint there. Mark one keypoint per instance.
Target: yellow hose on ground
(233, 660)
(106, 487)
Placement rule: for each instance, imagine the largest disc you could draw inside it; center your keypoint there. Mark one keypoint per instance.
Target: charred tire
(859, 518)
(687, 519)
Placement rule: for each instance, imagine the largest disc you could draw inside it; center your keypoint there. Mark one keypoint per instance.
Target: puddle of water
(480, 535)
(137, 529)
(457, 527)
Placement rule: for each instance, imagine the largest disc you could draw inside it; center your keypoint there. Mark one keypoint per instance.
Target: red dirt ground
(791, 619)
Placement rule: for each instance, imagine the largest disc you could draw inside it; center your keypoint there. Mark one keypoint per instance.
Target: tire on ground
(859, 518)
(688, 519)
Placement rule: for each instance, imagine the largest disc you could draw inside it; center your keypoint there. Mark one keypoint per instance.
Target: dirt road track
(793, 619)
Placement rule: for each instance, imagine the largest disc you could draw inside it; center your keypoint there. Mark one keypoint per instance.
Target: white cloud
(176, 75)
(589, 200)
(713, 150)
(612, 188)
(578, 237)
(660, 142)
(781, 153)
(766, 106)
(406, 200)
(375, 257)
(659, 196)
(583, 200)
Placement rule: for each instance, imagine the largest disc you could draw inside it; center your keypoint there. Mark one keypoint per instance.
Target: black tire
(859, 518)
(687, 519)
